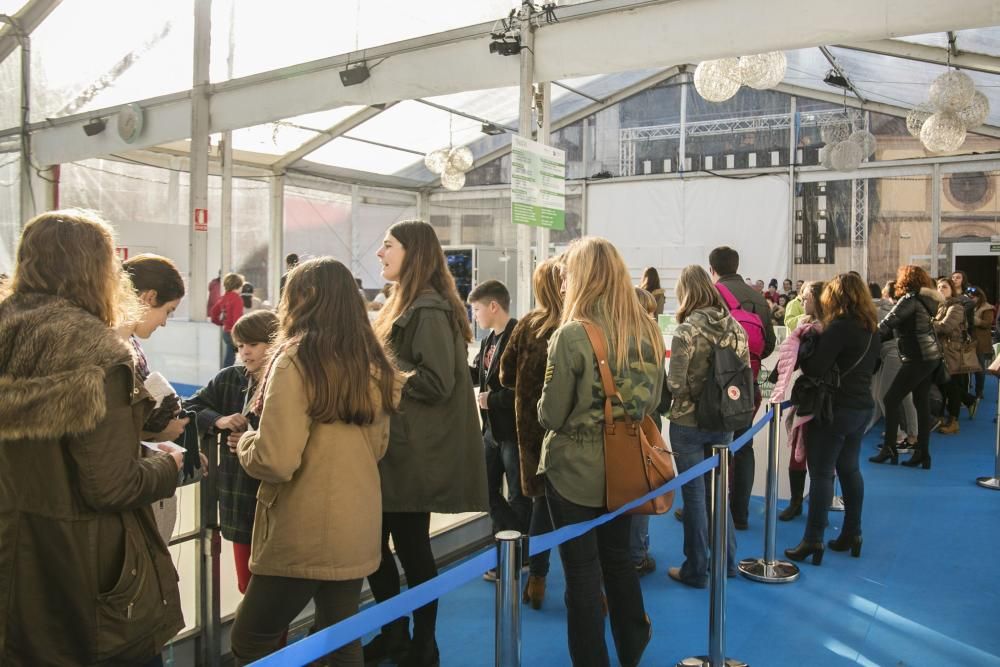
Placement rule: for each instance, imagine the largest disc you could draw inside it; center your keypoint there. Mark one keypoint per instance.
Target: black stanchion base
(769, 572)
(989, 483)
(704, 661)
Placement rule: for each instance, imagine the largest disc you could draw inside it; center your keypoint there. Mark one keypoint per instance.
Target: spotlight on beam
(94, 127)
(355, 74)
(491, 129)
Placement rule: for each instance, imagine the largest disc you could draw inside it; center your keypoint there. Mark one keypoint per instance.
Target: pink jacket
(788, 357)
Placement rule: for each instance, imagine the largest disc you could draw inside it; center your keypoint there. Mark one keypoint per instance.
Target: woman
(849, 346)
(324, 424)
(435, 460)
(704, 323)
(910, 322)
(226, 312)
(951, 329)
(888, 369)
(983, 333)
(522, 368)
(572, 459)
(224, 407)
(651, 283)
(86, 577)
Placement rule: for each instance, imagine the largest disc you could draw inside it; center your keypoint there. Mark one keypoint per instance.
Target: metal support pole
(227, 203)
(720, 547)
(682, 144)
(198, 202)
(768, 569)
(276, 248)
(994, 481)
(525, 261)
(211, 598)
(544, 137)
(510, 546)
(28, 205)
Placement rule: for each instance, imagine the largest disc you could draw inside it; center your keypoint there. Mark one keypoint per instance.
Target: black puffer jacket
(910, 322)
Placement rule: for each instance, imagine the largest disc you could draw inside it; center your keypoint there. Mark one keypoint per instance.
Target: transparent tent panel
(271, 138)
(985, 41)
(418, 127)
(349, 154)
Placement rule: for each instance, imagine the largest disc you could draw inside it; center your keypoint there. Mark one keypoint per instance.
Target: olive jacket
(435, 461)
(85, 578)
(319, 509)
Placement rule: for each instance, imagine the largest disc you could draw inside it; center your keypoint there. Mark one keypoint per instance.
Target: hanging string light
(763, 70)
(952, 91)
(955, 107)
(717, 80)
(943, 132)
(976, 113)
(450, 163)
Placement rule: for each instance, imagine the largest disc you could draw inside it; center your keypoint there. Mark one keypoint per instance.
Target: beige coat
(319, 506)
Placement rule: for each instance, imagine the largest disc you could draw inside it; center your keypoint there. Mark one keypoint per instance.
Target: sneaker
(490, 574)
(645, 566)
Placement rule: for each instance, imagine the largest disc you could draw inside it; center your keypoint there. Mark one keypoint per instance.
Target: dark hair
(782, 297)
(965, 278)
(291, 259)
(153, 272)
(911, 278)
(247, 292)
(978, 293)
(724, 260)
(875, 290)
(257, 327)
(951, 285)
(650, 279)
(773, 283)
(491, 290)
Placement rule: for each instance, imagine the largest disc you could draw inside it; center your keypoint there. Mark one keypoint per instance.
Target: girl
(522, 368)
(951, 329)
(226, 312)
(598, 290)
(326, 400)
(651, 283)
(224, 407)
(983, 333)
(435, 460)
(81, 557)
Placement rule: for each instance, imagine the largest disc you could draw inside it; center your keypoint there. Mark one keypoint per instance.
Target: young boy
(490, 302)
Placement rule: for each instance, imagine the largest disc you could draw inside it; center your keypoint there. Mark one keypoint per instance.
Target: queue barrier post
(211, 549)
(993, 482)
(510, 552)
(720, 547)
(769, 569)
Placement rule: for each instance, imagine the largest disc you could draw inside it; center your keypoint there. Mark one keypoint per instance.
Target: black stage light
(836, 80)
(506, 46)
(94, 127)
(355, 74)
(491, 129)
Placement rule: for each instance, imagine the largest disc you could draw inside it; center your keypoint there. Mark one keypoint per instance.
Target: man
(725, 265)
(490, 302)
(291, 261)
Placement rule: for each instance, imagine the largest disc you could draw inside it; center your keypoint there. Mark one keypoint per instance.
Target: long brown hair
(695, 290)
(911, 278)
(322, 311)
(548, 298)
(848, 296)
(153, 272)
(424, 268)
(599, 289)
(71, 254)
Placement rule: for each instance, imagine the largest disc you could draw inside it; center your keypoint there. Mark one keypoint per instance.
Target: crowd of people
(338, 436)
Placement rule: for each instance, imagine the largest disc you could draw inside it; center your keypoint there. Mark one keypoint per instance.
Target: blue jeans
(689, 445)
(503, 460)
(836, 446)
(229, 359)
(601, 554)
(541, 523)
(639, 539)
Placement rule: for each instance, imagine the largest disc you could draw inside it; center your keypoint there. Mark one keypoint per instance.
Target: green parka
(435, 460)
(85, 578)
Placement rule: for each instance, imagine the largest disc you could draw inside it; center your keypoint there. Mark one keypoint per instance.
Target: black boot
(887, 453)
(393, 643)
(806, 549)
(422, 654)
(797, 481)
(845, 542)
(921, 457)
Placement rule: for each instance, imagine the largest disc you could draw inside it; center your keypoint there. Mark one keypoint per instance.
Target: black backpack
(726, 402)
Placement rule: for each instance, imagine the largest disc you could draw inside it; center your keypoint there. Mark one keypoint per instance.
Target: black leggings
(915, 377)
(955, 392)
(410, 532)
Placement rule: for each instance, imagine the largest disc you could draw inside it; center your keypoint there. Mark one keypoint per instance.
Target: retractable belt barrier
(374, 617)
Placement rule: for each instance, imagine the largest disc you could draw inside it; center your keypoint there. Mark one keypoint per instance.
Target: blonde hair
(599, 289)
(71, 254)
(646, 300)
(695, 290)
(548, 297)
(232, 281)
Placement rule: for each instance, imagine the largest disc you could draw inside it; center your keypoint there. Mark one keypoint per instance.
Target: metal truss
(859, 226)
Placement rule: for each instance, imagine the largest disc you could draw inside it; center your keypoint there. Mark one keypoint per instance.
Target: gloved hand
(161, 416)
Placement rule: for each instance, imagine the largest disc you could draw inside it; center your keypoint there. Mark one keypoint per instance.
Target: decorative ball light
(717, 80)
(436, 161)
(460, 159)
(763, 70)
(452, 179)
(952, 91)
(976, 113)
(835, 132)
(846, 156)
(916, 117)
(943, 132)
(865, 139)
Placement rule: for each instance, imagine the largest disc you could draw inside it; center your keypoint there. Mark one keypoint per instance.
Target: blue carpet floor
(926, 590)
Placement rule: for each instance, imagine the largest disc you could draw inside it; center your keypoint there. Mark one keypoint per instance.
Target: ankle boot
(846, 542)
(797, 482)
(422, 654)
(534, 591)
(887, 453)
(951, 427)
(921, 457)
(392, 643)
(806, 549)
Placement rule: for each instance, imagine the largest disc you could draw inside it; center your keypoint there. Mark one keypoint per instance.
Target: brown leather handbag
(636, 460)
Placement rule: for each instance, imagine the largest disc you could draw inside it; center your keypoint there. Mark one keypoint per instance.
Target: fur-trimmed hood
(53, 360)
(931, 297)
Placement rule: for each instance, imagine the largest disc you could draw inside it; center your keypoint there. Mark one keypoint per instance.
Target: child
(227, 311)
(223, 408)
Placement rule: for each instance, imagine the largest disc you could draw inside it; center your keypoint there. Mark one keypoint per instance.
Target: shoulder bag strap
(863, 355)
(610, 389)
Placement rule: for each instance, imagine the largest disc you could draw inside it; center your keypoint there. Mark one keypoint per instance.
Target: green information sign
(537, 185)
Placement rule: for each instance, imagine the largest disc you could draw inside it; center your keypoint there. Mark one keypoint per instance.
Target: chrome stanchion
(720, 545)
(510, 546)
(768, 569)
(994, 481)
(211, 551)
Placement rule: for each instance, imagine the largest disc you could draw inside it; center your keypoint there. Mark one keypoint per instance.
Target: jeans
(541, 523)
(599, 554)
(504, 461)
(229, 358)
(954, 393)
(744, 465)
(271, 603)
(688, 444)
(984, 361)
(639, 538)
(835, 447)
(410, 532)
(915, 377)
(891, 365)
